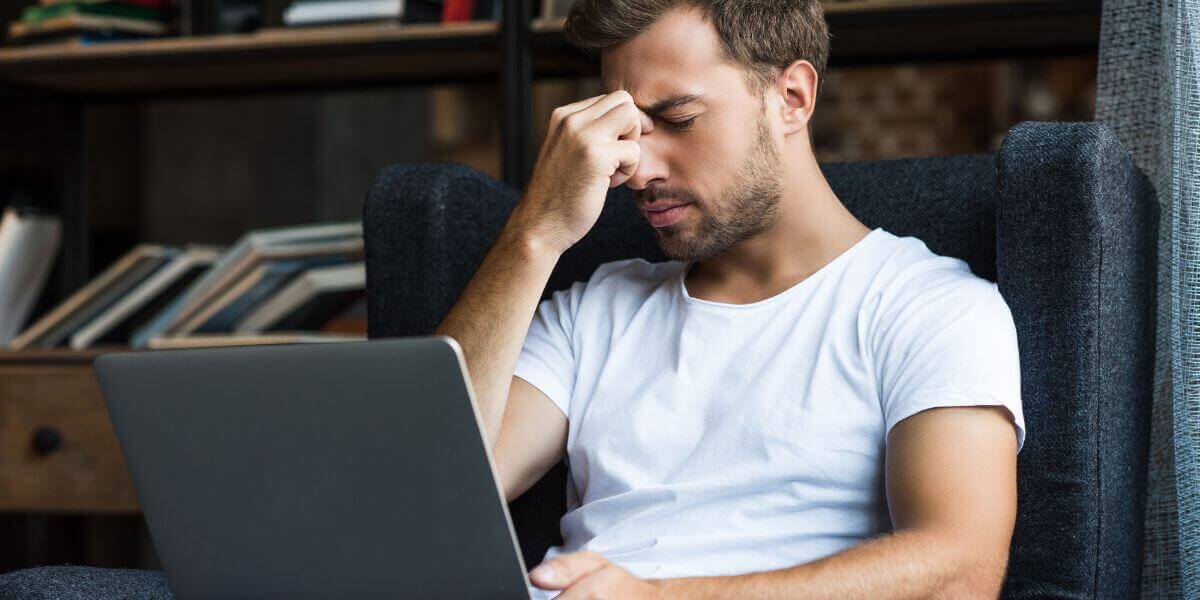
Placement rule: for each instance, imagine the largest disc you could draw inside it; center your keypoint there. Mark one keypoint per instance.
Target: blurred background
(192, 122)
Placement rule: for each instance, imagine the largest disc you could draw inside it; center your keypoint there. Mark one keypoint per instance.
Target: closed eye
(684, 124)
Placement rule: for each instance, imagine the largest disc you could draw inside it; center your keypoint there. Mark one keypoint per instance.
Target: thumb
(563, 570)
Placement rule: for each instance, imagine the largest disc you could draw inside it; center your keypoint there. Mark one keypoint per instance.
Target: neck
(813, 228)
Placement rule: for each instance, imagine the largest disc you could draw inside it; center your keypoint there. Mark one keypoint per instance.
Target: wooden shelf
(269, 59)
(864, 32)
(891, 31)
(80, 469)
(56, 356)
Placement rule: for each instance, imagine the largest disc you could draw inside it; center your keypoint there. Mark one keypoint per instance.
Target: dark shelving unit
(512, 52)
(57, 389)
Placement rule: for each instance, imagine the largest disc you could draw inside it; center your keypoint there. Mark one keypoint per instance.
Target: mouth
(664, 215)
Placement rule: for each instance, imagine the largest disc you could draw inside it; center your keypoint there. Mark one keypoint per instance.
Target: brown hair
(762, 36)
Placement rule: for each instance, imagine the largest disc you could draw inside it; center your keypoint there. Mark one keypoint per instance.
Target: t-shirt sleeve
(547, 358)
(945, 337)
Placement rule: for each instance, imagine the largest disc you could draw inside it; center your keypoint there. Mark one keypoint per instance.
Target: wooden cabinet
(58, 451)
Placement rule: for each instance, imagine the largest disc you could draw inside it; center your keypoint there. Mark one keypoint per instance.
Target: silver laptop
(339, 470)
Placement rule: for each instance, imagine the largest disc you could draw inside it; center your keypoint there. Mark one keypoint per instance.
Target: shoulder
(632, 270)
(626, 282)
(909, 272)
(631, 277)
(917, 295)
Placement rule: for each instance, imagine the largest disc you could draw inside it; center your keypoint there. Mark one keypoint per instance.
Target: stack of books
(83, 22)
(274, 285)
(329, 12)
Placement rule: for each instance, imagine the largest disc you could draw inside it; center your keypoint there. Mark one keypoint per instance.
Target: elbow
(978, 573)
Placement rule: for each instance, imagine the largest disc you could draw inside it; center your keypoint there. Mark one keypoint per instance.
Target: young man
(795, 405)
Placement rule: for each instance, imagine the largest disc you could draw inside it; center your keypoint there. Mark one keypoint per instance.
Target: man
(795, 405)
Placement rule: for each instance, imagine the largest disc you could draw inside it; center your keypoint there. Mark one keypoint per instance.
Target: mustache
(651, 195)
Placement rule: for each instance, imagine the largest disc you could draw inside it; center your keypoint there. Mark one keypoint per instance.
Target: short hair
(761, 36)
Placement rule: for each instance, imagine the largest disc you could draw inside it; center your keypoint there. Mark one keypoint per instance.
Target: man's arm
(492, 315)
(490, 320)
(951, 486)
(590, 146)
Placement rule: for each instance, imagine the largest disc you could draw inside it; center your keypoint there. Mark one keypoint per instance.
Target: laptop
(339, 470)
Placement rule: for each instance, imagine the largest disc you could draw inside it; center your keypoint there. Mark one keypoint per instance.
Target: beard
(746, 207)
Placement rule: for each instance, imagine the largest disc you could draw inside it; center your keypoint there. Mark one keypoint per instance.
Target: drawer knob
(46, 440)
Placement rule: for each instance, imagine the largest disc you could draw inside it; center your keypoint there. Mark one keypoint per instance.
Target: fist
(590, 576)
(590, 146)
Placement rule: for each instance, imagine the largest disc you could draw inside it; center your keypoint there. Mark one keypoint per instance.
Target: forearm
(908, 564)
(493, 314)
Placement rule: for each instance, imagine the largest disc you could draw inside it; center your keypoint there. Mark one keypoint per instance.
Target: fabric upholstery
(84, 583)
(1060, 218)
(1076, 250)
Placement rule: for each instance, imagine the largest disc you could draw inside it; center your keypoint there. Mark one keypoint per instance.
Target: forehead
(680, 53)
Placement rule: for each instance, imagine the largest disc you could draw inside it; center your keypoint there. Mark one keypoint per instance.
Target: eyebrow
(670, 102)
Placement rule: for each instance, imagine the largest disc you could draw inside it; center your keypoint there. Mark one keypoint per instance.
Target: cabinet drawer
(58, 451)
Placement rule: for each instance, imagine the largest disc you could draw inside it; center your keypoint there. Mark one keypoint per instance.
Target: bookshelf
(75, 467)
(392, 54)
(895, 31)
(512, 52)
(267, 60)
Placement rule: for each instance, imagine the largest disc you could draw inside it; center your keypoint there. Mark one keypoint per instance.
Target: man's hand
(588, 575)
(590, 146)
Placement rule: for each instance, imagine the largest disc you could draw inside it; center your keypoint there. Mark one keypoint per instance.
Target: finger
(628, 155)
(569, 109)
(621, 122)
(601, 583)
(563, 570)
(579, 105)
(603, 105)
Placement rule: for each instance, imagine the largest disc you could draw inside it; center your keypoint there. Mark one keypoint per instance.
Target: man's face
(724, 164)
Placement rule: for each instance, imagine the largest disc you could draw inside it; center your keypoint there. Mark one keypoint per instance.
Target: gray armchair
(1060, 218)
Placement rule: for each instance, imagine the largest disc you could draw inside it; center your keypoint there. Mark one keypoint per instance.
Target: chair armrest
(1076, 234)
(426, 229)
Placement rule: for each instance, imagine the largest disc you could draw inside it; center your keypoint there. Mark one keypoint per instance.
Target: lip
(661, 207)
(667, 215)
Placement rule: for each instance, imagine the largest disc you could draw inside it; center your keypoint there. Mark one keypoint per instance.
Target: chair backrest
(1061, 219)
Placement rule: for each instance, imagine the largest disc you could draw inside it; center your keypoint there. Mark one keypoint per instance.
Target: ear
(797, 85)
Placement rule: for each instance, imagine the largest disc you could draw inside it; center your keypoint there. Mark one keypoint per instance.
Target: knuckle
(573, 121)
(591, 150)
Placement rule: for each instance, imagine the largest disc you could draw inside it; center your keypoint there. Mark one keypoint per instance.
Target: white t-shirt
(708, 438)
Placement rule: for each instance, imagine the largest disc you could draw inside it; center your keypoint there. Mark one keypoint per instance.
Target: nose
(652, 164)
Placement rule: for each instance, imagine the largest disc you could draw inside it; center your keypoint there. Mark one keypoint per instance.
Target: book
(28, 246)
(325, 12)
(101, 292)
(38, 14)
(221, 314)
(156, 4)
(116, 324)
(245, 254)
(206, 340)
(318, 12)
(82, 22)
(78, 39)
(226, 290)
(309, 301)
(458, 10)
